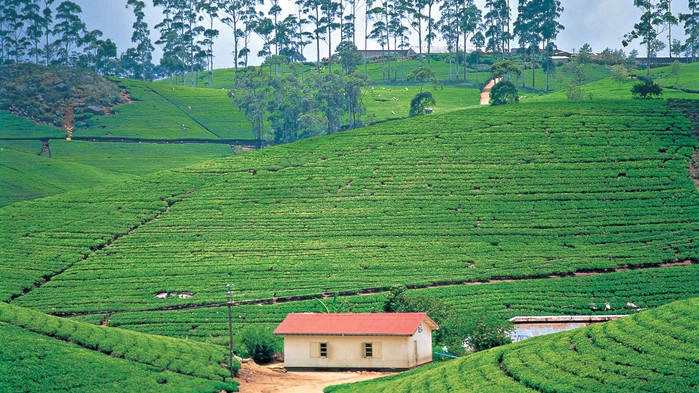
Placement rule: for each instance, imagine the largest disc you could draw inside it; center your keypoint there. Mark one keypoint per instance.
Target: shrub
(646, 90)
(260, 343)
(420, 102)
(504, 92)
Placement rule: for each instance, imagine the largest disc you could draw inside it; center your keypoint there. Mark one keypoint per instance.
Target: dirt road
(268, 379)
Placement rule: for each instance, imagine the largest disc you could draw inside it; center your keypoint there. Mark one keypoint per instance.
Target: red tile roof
(375, 324)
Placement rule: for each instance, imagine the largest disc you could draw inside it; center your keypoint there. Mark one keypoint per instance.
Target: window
(319, 350)
(371, 350)
(368, 350)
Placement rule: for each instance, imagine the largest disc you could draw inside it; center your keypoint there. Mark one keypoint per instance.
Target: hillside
(653, 351)
(40, 353)
(525, 191)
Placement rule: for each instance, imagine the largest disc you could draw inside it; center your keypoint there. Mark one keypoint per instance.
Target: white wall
(346, 351)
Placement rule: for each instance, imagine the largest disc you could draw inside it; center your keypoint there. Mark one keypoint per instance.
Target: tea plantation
(547, 207)
(653, 351)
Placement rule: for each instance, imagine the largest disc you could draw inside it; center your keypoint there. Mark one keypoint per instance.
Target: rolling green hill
(503, 209)
(41, 353)
(523, 191)
(653, 351)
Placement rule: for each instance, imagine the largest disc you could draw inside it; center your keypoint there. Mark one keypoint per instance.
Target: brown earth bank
(255, 378)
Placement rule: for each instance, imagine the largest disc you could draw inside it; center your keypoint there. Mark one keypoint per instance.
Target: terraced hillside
(525, 191)
(41, 353)
(653, 351)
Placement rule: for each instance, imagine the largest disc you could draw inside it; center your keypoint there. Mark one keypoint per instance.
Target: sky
(600, 23)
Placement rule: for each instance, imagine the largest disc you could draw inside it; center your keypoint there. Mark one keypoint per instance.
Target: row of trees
(40, 31)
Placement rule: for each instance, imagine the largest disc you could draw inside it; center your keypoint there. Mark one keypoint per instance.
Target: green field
(618, 356)
(527, 190)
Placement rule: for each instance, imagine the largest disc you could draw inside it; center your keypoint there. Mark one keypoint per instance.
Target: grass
(76, 165)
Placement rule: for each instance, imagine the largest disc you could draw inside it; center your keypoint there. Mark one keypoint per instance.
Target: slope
(41, 353)
(525, 191)
(653, 351)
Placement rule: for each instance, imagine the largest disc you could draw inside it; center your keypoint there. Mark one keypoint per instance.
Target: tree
(47, 19)
(424, 75)
(398, 300)
(141, 56)
(536, 24)
(251, 98)
(675, 71)
(656, 16)
(259, 343)
(478, 40)
(474, 332)
(35, 28)
(210, 13)
(584, 54)
(349, 56)
(504, 92)
(470, 18)
(420, 102)
(505, 68)
(691, 28)
(497, 20)
(619, 73)
(234, 14)
(69, 28)
(448, 26)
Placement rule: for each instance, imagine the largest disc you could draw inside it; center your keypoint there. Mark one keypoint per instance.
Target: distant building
(374, 53)
(527, 327)
(434, 50)
(357, 341)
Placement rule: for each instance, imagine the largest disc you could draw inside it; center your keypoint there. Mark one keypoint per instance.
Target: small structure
(357, 341)
(527, 327)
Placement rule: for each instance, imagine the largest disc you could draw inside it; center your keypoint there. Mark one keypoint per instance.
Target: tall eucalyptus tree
(497, 20)
(69, 29)
(691, 28)
(142, 54)
(653, 23)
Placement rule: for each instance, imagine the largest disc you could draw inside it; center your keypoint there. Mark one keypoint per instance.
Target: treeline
(40, 31)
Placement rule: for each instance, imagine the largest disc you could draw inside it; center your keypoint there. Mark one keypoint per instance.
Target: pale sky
(601, 23)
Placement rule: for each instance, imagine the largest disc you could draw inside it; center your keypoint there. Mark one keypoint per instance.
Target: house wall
(347, 351)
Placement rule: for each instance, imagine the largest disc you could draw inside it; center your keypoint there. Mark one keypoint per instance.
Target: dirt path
(268, 379)
(485, 93)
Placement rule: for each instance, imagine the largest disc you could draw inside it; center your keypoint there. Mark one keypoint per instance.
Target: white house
(357, 341)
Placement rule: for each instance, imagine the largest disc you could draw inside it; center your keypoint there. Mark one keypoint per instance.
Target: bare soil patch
(254, 378)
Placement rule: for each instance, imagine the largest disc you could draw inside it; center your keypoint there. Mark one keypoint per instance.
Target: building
(357, 341)
(527, 327)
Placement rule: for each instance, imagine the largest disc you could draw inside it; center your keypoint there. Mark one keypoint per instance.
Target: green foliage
(505, 68)
(503, 93)
(646, 90)
(399, 300)
(420, 102)
(655, 350)
(470, 331)
(33, 362)
(423, 75)
(260, 343)
(622, 167)
(350, 58)
(184, 357)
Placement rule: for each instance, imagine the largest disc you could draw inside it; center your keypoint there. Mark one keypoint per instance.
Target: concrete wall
(347, 351)
(527, 327)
